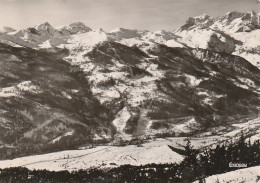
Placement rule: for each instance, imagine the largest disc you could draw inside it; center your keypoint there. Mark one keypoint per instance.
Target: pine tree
(189, 164)
(242, 149)
(250, 154)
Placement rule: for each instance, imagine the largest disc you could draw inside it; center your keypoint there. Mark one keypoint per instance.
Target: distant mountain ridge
(236, 33)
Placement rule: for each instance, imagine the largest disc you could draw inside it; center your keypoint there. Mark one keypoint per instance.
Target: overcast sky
(109, 14)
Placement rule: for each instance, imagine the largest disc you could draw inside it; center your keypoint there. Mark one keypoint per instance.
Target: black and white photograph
(129, 91)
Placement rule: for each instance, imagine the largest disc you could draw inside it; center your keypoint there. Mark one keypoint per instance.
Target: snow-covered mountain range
(71, 87)
(236, 33)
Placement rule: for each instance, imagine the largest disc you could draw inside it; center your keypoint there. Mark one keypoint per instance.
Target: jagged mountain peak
(7, 29)
(233, 15)
(122, 33)
(235, 33)
(233, 21)
(44, 26)
(74, 28)
(81, 26)
(166, 35)
(39, 30)
(198, 19)
(163, 31)
(119, 29)
(77, 24)
(241, 22)
(47, 24)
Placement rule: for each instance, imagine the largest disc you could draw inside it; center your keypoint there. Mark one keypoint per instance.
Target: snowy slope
(102, 156)
(80, 44)
(152, 151)
(208, 39)
(247, 175)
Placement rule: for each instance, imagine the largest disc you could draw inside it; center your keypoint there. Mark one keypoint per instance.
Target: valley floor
(153, 151)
